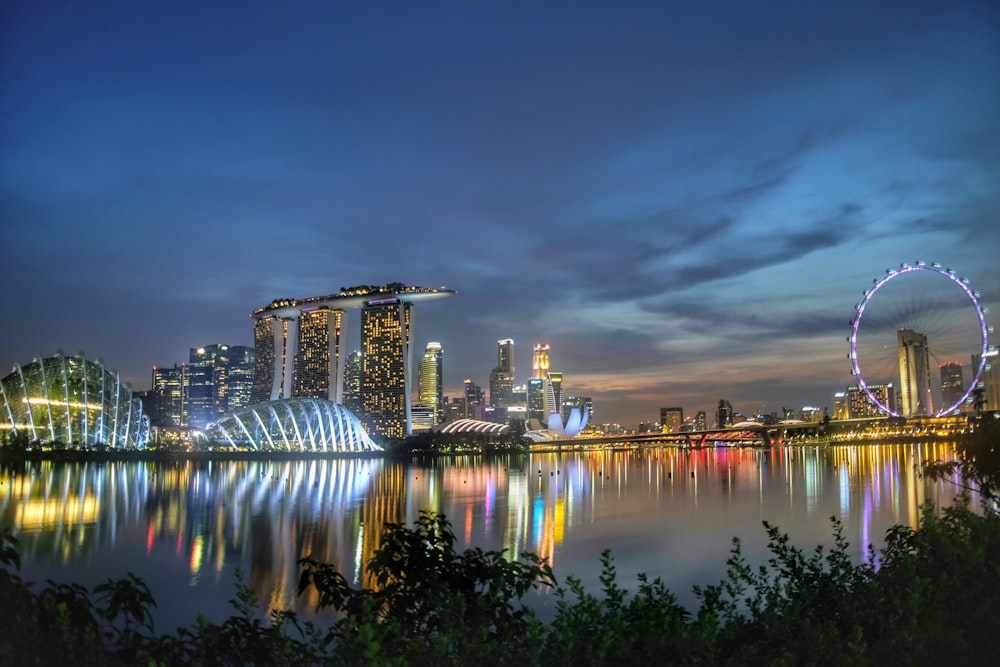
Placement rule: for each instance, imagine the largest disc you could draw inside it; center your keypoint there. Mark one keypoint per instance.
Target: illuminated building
(540, 361)
(580, 402)
(298, 424)
(553, 393)
(352, 382)
(430, 386)
(473, 401)
(860, 405)
(536, 399)
(989, 381)
(724, 414)
(298, 347)
(386, 362)
(671, 419)
(502, 379)
(167, 404)
(73, 401)
(700, 421)
(914, 374)
(841, 406)
(952, 384)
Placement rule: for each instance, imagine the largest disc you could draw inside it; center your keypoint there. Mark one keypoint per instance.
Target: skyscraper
(322, 335)
(859, 405)
(430, 387)
(671, 419)
(386, 364)
(553, 393)
(168, 396)
(724, 414)
(473, 400)
(502, 379)
(540, 361)
(352, 382)
(299, 351)
(914, 373)
(536, 400)
(989, 382)
(952, 384)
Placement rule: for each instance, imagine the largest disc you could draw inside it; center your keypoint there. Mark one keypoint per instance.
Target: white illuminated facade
(295, 424)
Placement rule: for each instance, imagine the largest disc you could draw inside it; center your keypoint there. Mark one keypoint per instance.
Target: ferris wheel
(920, 331)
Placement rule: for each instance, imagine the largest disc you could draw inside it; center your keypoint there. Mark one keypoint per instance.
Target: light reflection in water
(664, 511)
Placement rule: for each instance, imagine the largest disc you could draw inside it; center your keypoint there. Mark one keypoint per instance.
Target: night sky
(684, 199)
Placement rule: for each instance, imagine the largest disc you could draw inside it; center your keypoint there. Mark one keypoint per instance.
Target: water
(187, 527)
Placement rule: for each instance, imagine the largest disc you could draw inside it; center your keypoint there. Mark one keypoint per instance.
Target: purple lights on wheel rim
(896, 273)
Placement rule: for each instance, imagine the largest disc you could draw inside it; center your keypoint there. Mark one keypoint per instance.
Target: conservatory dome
(73, 401)
(294, 424)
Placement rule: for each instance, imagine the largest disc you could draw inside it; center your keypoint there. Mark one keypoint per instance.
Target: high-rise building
(860, 405)
(535, 395)
(671, 419)
(952, 385)
(217, 383)
(502, 379)
(841, 406)
(540, 361)
(473, 400)
(989, 381)
(724, 414)
(352, 382)
(386, 364)
(235, 392)
(430, 386)
(319, 354)
(299, 351)
(168, 396)
(553, 393)
(701, 421)
(914, 373)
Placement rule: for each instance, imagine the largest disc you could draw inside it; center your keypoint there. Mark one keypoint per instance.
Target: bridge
(741, 435)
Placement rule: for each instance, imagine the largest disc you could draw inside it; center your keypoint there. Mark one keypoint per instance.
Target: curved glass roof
(73, 401)
(294, 424)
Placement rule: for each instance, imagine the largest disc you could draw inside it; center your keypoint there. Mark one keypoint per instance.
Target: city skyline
(685, 202)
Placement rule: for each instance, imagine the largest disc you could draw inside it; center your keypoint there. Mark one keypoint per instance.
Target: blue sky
(685, 200)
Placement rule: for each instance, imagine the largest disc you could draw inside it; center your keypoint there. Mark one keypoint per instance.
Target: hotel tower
(300, 350)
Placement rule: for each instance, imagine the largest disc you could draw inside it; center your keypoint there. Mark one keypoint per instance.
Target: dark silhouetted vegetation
(930, 596)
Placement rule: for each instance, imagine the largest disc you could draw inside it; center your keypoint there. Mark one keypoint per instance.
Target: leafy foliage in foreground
(933, 598)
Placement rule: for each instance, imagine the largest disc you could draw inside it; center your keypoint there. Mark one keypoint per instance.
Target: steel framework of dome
(472, 426)
(294, 424)
(73, 401)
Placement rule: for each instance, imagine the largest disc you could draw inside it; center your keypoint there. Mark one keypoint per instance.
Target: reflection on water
(185, 527)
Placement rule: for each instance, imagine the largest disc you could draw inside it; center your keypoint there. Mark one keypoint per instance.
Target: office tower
(352, 382)
(553, 393)
(386, 364)
(952, 385)
(914, 373)
(724, 414)
(701, 421)
(989, 381)
(299, 343)
(215, 382)
(473, 401)
(430, 387)
(502, 379)
(671, 419)
(455, 409)
(319, 353)
(540, 361)
(234, 394)
(859, 405)
(168, 396)
(841, 406)
(535, 395)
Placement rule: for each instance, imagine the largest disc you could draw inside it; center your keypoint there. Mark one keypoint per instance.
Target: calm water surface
(187, 527)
